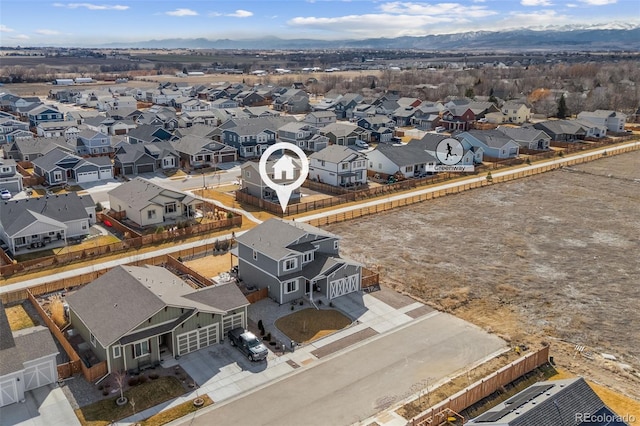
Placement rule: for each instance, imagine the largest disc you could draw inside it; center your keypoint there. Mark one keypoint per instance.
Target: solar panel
(492, 416)
(514, 403)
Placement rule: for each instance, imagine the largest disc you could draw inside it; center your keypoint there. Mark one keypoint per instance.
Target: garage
(227, 158)
(344, 286)
(145, 168)
(8, 392)
(197, 339)
(106, 174)
(39, 374)
(87, 176)
(232, 321)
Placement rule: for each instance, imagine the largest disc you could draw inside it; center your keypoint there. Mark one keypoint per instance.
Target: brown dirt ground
(212, 266)
(549, 258)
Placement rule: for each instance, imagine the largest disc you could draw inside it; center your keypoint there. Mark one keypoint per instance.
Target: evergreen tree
(563, 111)
(469, 93)
(492, 98)
(373, 83)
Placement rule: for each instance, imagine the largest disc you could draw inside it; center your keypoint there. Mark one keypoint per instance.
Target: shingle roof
(336, 154)
(29, 344)
(491, 138)
(139, 193)
(405, 155)
(50, 160)
(16, 215)
(223, 296)
(275, 237)
(527, 134)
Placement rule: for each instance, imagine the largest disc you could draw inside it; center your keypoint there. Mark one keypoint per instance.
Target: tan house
(516, 112)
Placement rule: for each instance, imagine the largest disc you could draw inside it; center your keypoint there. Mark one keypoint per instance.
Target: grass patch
(146, 395)
(18, 318)
(311, 324)
(176, 412)
(175, 174)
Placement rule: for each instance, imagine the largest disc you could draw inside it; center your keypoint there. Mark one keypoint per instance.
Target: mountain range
(613, 37)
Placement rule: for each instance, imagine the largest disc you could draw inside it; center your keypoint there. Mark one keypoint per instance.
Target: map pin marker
(284, 166)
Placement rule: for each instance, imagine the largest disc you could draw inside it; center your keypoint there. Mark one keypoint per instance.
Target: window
(290, 286)
(307, 257)
(141, 349)
(290, 264)
(247, 174)
(57, 176)
(151, 214)
(408, 169)
(335, 245)
(170, 208)
(117, 351)
(322, 163)
(84, 225)
(344, 166)
(6, 169)
(255, 255)
(92, 339)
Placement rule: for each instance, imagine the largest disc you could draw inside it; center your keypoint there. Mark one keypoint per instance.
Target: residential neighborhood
(143, 233)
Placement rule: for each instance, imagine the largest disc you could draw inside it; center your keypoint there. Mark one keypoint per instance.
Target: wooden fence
(369, 278)
(438, 414)
(173, 263)
(255, 296)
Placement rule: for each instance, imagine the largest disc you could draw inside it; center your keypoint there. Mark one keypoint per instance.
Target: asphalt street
(354, 385)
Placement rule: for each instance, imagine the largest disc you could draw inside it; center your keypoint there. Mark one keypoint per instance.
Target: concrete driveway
(45, 406)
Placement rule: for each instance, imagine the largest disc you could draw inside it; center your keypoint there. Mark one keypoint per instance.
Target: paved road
(355, 385)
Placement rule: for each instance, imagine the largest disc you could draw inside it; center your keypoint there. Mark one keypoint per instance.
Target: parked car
(5, 194)
(362, 144)
(248, 344)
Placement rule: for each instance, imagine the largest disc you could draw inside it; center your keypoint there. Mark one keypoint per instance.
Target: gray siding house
(146, 314)
(294, 260)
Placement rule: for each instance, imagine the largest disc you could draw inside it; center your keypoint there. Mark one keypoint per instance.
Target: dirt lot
(549, 258)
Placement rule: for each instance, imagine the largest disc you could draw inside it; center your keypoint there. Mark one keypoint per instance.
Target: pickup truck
(248, 344)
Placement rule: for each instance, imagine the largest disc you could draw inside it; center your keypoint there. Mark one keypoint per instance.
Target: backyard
(545, 258)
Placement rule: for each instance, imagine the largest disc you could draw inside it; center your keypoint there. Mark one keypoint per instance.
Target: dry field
(548, 258)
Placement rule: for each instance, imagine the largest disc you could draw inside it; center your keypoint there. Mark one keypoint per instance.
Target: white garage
(40, 373)
(82, 177)
(344, 286)
(197, 339)
(232, 321)
(106, 173)
(8, 391)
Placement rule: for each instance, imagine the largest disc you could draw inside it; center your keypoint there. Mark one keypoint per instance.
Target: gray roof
(524, 134)
(491, 138)
(37, 145)
(15, 215)
(192, 144)
(429, 141)
(139, 193)
(128, 296)
(340, 129)
(336, 154)
(546, 403)
(223, 296)
(560, 127)
(50, 160)
(406, 155)
(321, 266)
(30, 344)
(276, 238)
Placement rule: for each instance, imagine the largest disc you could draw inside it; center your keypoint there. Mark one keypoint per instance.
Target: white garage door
(344, 286)
(197, 339)
(87, 177)
(106, 174)
(232, 321)
(39, 375)
(8, 392)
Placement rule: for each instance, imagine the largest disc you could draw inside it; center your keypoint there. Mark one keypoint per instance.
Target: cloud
(571, 5)
(5, 29)
(536, 3)
(20, 37)
(92, 6)
(533, 19)
(47, 32)
(599, 2)
(182, 12)
(237, 14)
(424, 9)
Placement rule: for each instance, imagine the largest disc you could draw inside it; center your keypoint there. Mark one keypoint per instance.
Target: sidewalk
(223, 381)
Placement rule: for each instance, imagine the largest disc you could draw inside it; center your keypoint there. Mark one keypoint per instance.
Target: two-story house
(379, 126)
(44, 113)
(252, 136)
(320, 118)
(516, 112)
(613, 121)
(251, 181)
(90, 142)
(338, 166)
(10, 178)
(11, 129)
(294, 260)
(303, 135)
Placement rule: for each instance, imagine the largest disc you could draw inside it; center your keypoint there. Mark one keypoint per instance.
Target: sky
(62, 23)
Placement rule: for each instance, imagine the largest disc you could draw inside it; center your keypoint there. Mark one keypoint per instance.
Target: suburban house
(52, 219)
(294, 260)
(562, 130)
(457, 118)
(57, 167)
(29, 149)
(338, 166)
(10, 178)
(303, 135)
(27, 360)
(345, 104)
(554, 402)
(148, 134)
(516, 112)
(90, 142)
(320, 118)
(344, 133)
(292, 101)
(53, 129)
(148, 315)
(147, 203)
(252, 136)
(252, 183)
(223, 103)
(527, 137)
(379, 126)
(43, 113)
(427, 116)
(494, 143)
(10, 127)
(407, 160)
(133, 160)
(613, 121)
(197, 152)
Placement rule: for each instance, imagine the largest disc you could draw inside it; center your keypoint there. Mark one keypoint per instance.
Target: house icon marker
(285, 166)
